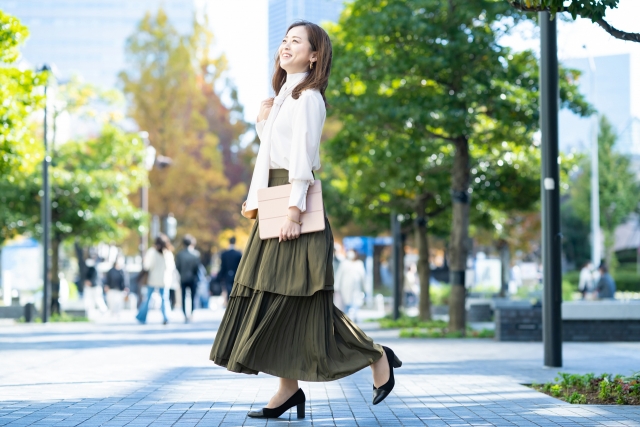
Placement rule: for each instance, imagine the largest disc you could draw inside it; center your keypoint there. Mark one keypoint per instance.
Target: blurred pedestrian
(606, 287)
(188, 265)
(93, 294)
(586, 282)
(349, 283)
(411, 285)
(116, 286)
(160, 264)
(229, 261)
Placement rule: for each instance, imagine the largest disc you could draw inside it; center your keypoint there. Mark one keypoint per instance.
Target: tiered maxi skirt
(281, 320)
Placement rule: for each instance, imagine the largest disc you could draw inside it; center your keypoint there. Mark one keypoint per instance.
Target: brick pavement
(124, 374)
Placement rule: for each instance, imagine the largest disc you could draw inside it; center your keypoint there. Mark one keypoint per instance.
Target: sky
(241, 32)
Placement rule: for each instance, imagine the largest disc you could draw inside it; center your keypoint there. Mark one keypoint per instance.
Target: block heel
(298, 399)
(397, 363)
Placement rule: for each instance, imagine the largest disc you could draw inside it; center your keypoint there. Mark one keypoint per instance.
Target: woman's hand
(265, 108)
(290, 230)
(248, 214)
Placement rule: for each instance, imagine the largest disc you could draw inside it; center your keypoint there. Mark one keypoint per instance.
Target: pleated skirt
(281, 320)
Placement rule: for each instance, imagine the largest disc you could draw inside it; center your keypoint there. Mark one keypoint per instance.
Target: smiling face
(295, 52)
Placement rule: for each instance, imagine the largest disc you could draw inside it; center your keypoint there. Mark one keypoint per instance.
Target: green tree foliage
(20, 92)
(619, 189)
(433, 106)
(595, 10)
(91, 185)
(170, 84)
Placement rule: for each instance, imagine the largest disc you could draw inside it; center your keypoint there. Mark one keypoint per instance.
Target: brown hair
(162, 242)
(318, 77)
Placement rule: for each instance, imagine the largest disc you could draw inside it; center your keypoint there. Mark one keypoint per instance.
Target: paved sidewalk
(121, 373)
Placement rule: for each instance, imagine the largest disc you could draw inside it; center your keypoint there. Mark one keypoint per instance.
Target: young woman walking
(281, 319)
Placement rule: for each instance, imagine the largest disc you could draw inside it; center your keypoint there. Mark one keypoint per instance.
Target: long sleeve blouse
(295, 139)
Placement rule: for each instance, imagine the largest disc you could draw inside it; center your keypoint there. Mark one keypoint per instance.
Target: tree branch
(619, 34)
(438, 211)
(525, 8)
(436, 135)
(622, 35)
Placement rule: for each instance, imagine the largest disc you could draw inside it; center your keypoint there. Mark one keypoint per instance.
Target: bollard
(29, 312)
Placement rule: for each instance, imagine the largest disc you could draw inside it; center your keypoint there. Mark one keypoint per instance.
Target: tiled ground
(121, 373)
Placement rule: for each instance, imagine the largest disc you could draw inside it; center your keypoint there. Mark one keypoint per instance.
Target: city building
(283, 13)
(87, 37)
(612, 85)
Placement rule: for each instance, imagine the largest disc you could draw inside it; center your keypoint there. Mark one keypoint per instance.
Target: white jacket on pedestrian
(161, 267)
(349, 281)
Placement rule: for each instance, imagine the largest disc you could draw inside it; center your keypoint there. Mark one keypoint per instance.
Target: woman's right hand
(265, 108)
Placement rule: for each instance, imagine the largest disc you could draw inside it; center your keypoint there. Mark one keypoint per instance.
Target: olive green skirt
(281, 320)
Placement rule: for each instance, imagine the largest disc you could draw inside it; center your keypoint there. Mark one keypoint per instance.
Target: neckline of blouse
(294, 78)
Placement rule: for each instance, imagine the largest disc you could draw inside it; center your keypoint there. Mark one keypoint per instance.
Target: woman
(349, 283)
(281, 319)
(160, 264)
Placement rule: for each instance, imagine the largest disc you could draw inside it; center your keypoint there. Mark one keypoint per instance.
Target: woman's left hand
(290, 230)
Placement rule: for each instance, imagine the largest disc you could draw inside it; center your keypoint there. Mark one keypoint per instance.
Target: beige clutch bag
(273, 206)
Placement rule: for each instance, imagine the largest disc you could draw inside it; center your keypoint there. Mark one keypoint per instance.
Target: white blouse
(295, 139)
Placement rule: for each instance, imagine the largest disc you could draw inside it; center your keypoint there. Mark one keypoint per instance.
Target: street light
(551, 237)
(46, 206)
(595, 180)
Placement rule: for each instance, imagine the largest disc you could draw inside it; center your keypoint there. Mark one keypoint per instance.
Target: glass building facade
(284, 12)
(612, 85)
(87, 37)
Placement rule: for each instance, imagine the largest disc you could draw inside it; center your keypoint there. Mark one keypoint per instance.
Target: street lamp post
(595, 180)
(551, 237)
(45, 210)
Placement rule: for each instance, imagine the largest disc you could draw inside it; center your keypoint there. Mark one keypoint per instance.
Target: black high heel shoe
(381, 393)
(298, 399)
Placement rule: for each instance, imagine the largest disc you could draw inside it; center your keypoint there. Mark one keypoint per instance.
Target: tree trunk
(55, 280)
(424, 270)
(458, 249)
(505, 264)
(82, 267)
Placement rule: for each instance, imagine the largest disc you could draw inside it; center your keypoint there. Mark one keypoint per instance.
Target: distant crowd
(162, 277)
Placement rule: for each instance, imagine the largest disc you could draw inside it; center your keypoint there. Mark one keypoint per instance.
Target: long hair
(318, 77)
(162, 243)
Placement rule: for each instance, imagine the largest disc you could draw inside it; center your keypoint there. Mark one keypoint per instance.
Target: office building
(284, 12)
(612, 85)
(87, 37)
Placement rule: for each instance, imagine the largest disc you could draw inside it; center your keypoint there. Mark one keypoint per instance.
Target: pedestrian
(188, 263)
(93, 293)
(606, 287)
(281, 319)
(411, 285)
(229, 261)
(349, 283)
(116, 286)
(586, 282)
(160, 264)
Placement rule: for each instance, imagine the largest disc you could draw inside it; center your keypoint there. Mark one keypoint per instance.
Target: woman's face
(295, 51)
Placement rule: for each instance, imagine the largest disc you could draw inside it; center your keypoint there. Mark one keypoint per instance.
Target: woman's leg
(381, 371)
(144, 308)
(285, 391)
(163, 304)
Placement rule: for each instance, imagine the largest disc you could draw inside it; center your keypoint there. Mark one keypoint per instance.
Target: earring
(311, 65)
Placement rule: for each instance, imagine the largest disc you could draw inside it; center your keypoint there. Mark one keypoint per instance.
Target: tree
(619, 189)
(595, 10)
(431, 78)
(91, 183)
(20, 91)
(170, 84)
